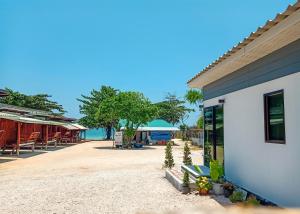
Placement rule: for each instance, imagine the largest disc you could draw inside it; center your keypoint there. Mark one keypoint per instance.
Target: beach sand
(92, 177)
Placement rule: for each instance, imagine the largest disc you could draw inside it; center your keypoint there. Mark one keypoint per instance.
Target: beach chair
(51, 140)
(25, 143)
(2, 139)
(67, 137)
(54, 140)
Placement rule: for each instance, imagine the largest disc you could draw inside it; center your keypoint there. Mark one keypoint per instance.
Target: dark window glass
(274, 117)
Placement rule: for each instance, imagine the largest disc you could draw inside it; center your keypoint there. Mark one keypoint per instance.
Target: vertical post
(18, 139)
(84, 134)
(47, 137)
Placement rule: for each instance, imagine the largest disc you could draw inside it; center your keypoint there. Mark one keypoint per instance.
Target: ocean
(95, 134)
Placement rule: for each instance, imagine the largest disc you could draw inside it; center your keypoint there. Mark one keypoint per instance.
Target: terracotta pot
(203, 192)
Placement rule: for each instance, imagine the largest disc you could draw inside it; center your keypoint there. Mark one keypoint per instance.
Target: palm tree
(195, 97)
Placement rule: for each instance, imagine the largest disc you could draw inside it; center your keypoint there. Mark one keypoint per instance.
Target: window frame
(266, 117)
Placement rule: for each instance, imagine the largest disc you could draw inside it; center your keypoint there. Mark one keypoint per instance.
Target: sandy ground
(94, 178)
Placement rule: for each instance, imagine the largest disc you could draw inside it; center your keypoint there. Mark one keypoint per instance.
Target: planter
(185, 190)
(218, 189)
(203, 192)
(227, 193)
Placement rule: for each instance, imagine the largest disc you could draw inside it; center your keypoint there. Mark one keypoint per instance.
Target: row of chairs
(33, 141)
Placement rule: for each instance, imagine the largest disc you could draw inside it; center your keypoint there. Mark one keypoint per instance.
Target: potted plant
(216, 173)
(228, 189)
(186, 183)
(204, 185)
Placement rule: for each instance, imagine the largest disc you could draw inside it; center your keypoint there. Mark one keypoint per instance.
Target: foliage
(169, 160)
(200, 122)
(216, 170)
(198, 169)
(99, 109)
(203, 183)
(194, 97)
(136, 110)
(38, 101)
(237, 196)
(187, 160)
(172, 109)
(184, 128)
(186, 179)
(207, 153)
(252, 201)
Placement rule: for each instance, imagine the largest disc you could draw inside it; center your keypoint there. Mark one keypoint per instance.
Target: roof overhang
(70, 127)
(284, 29)
(28, 120)
(3, 93)
(79, 126)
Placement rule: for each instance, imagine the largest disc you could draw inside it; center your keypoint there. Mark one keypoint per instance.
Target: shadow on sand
(27, 153)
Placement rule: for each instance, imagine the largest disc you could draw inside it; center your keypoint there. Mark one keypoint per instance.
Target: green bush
(186, 179)
(216, 170)
(252, 202)
(187, 160)
(236, 196)
(203, 183)
(169, 160)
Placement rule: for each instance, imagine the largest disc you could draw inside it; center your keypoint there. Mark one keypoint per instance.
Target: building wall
(269, 170)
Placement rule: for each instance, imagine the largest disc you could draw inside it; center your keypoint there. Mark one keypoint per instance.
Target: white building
(252, 110)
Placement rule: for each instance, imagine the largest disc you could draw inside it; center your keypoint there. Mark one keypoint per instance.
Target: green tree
(38, 101)
(194, 97)
(187, 160)
(172, 109)
(169, 160)
(200, 122)
(99, 109)
(186, 179)
(135, 109)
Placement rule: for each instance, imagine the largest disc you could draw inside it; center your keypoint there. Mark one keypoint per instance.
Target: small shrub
(186, 179)
(216, 171)
(237, 196)
(203, 183)
(198, 169)
(169, 160)
(252, 201)
(187, 160)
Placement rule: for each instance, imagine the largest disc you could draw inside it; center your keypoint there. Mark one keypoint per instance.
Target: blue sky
(66, 47)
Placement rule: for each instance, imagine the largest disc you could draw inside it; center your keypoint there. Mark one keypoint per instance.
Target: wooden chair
(54, 140)
(67, 137)
(41, 143)
(25, 143)
(2, 139)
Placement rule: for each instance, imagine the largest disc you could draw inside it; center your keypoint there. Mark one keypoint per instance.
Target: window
(274, 117)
